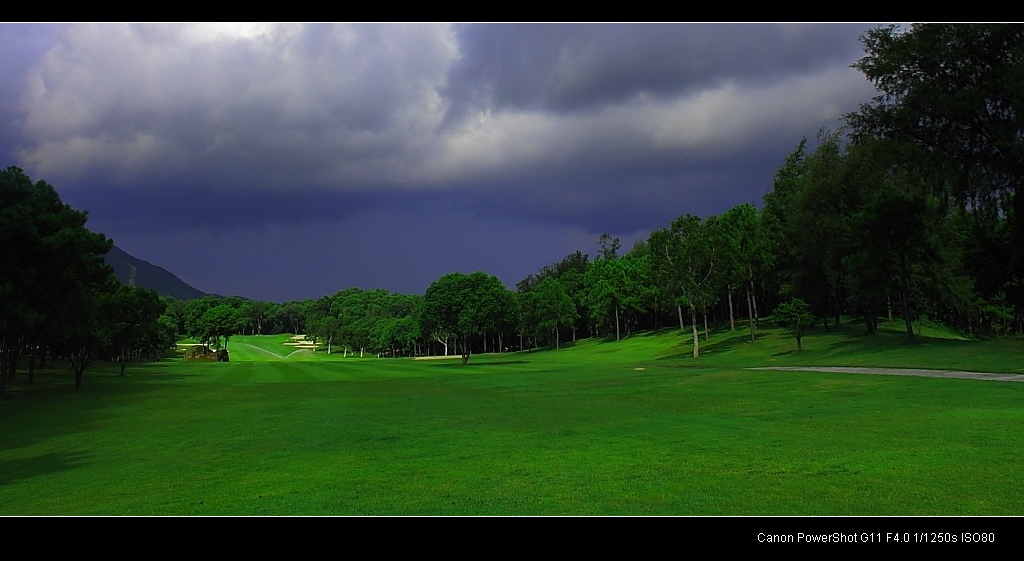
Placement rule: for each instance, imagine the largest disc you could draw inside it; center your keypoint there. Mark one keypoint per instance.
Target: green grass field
(636, 427)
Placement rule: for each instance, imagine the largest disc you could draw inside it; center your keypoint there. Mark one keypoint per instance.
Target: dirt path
(902, 372)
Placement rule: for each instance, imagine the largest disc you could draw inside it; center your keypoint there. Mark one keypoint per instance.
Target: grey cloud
(561, 67)
(326, 146)
(358, 107)
(128, 100)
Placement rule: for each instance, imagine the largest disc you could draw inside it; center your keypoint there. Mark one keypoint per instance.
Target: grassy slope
(635, 427)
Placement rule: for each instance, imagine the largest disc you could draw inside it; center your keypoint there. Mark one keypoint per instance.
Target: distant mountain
(134, 271)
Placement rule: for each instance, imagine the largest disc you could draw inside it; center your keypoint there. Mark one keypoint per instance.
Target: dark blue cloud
(313, 158)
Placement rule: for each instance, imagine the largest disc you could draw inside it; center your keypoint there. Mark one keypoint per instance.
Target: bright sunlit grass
(633, 427)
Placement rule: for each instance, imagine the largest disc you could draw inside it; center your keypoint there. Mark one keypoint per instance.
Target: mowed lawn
(635, 427)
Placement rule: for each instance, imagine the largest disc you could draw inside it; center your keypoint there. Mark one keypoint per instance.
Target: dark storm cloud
(358, 108)
(385, 155)
(627, 202)
(21, 46)
(183, 206)
(561, 67)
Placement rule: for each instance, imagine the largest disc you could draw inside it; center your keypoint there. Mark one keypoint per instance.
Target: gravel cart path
(902, 372)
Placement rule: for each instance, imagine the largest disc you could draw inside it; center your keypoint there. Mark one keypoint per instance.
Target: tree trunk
(32, 364)
(616, 323)
(905, 288)
(679, 308)
(696, 339)
(753, 294)
(13, 353)
(3, 360)
(732, 320)
(705, 328)
(750, 316)
(80, 359)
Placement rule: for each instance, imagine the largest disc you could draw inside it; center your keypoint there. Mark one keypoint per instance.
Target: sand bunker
(436, 357)
(300, 342)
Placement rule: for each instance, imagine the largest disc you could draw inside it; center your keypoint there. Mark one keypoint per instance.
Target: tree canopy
(52, 273)
(466, 306)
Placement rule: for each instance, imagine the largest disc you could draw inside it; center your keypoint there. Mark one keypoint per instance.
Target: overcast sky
(289, 161)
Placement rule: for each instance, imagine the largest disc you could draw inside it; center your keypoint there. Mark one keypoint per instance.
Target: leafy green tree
(618, 289)
(243, 308)
(290, 315)
(85, 340)
(609, 246)
(166, 337)
(794, 315)
(323, 328)
(570, 272)
(955, 92)
(52, 274)
(554, 308)
(259, 313)
(685, 255)
(782, 238)
(819, 228)
(175, 312)
(362, 315)
(317, 316)
(395, 334)
(132, 316)
(352, 308)
(467, 306)
(606, 291)
(744, 251)
(221, 322)
(527, 320)
(194, 311)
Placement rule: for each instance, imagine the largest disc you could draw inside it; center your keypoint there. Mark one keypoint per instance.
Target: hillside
(132, 270)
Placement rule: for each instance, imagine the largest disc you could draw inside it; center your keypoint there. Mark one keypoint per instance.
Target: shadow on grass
(27, 468)
(728, 344)
(718, 346)
(51, 406)
(885, 341)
